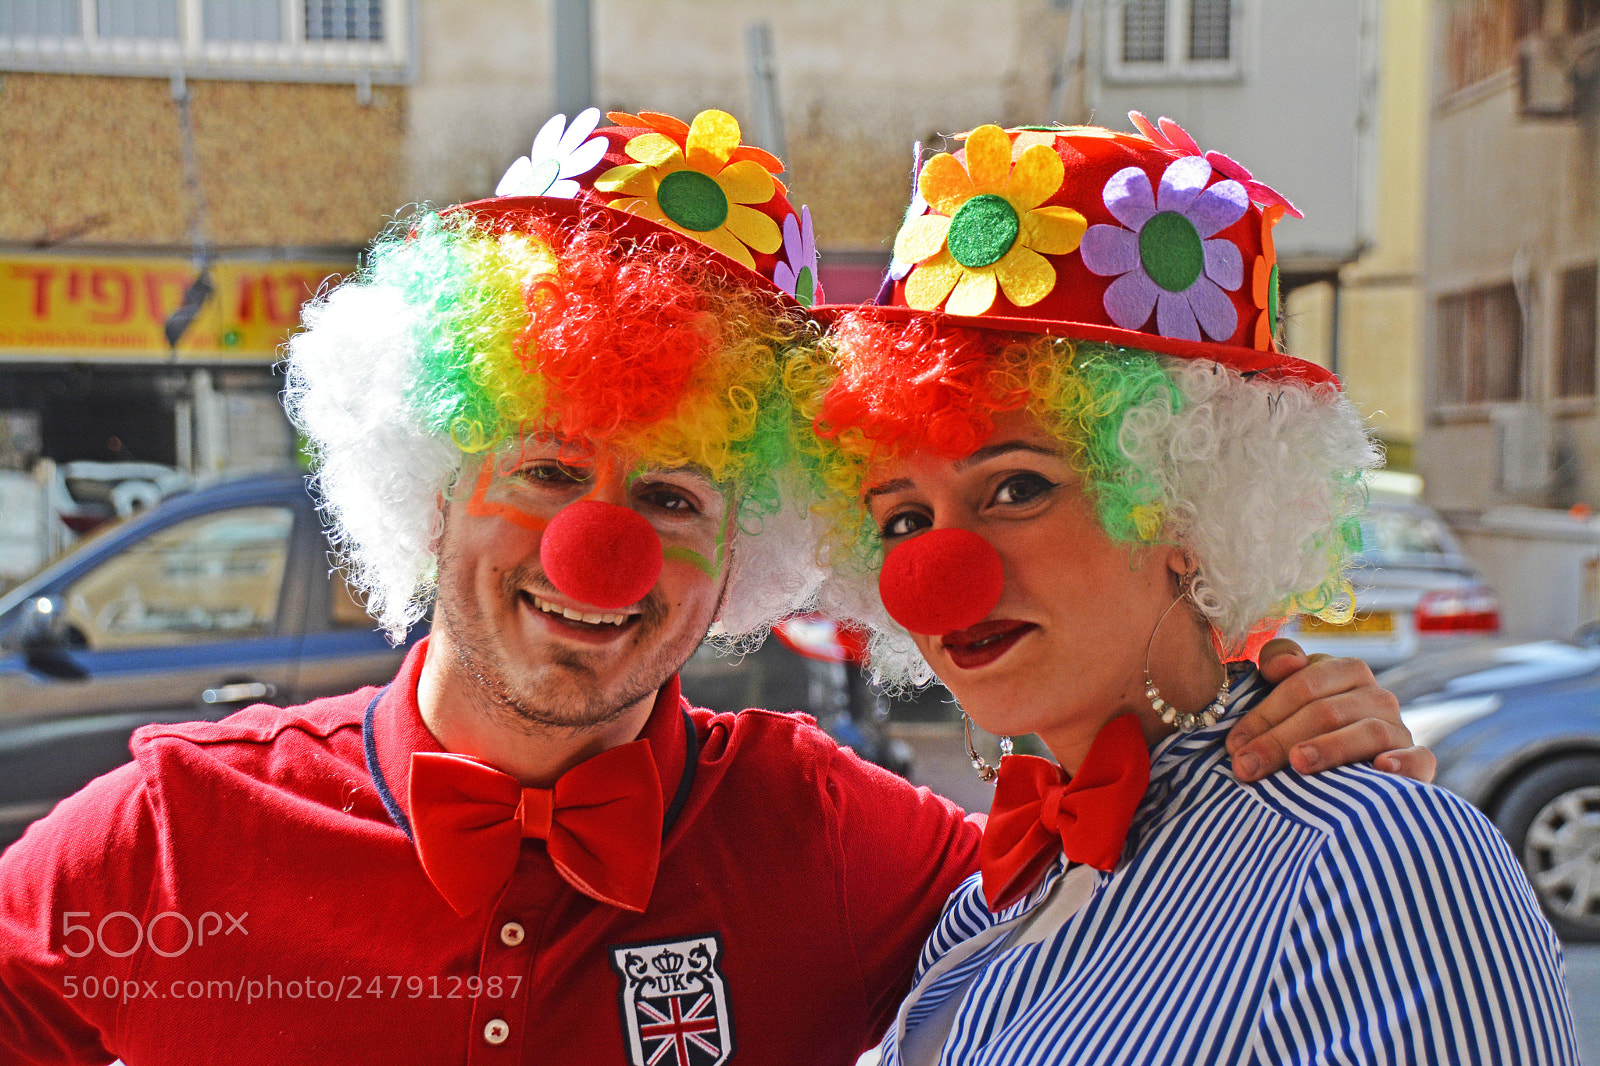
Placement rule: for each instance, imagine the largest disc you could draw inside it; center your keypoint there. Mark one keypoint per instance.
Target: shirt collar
(394, 728)
(1175, 762)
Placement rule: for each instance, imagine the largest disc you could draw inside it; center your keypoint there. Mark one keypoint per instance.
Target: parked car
(46, 511)
(1516, 729)
(209, 601)
(811, 666)
(225, 596)
(1416, 589)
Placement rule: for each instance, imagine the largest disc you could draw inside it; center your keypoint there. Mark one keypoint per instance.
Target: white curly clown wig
(1261, 480)
(462, 336)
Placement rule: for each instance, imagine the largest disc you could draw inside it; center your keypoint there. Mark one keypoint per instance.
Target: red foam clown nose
(941, 581)
(601, 554)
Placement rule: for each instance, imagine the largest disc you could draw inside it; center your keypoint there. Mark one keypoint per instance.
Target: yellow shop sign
(113, 309)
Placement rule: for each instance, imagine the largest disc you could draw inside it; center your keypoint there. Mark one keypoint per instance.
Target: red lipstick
(983, 643)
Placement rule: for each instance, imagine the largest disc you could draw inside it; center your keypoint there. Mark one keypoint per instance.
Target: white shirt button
(511, 934)
(496, 1031)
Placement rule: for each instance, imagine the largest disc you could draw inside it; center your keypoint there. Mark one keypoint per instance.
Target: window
(1144, 31)
(216, 577)
(1480, 347)
(344, 20)
(1480, 37)
(1168, 39)
(333, 40)
(242, 20)
(138, 18)
(1391, 537)
(347, 607)
(1575, 370)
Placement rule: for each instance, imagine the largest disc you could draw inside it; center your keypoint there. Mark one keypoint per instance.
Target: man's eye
(1022, 488)
(670, 500)
(904, 524)
(553, 473)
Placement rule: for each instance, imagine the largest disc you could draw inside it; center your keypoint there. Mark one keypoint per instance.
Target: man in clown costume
(557, 417)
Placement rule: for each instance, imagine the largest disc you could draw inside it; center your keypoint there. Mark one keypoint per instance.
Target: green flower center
(805, 288)
(543, 174)
(1272, 301)
(693, 200)
(1171, 252)
(983, 230)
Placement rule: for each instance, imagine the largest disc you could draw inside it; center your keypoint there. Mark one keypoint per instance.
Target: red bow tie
(601, 824)
(1039, 811)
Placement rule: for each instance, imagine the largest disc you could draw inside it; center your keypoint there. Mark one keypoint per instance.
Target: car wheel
(1551, 818)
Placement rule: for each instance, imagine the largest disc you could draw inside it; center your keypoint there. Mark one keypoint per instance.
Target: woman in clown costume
(1071, 475)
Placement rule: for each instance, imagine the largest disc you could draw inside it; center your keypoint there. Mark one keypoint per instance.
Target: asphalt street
(942, 765)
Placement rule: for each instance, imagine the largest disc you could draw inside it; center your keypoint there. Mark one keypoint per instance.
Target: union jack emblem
(674, 1002)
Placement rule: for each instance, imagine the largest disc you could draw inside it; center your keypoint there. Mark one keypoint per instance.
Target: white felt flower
(558, 155)
(918, 208)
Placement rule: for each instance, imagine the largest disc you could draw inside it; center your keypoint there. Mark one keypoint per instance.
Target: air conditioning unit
(1546, 82)
(1525, 449)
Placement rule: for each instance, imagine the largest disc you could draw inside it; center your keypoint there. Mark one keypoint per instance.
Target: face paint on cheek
(678, 553)
(479, 505)
(709, 567)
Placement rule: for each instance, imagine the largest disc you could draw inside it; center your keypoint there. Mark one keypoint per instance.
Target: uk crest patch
(674, 1002)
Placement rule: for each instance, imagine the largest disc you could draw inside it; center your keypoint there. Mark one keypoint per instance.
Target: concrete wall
(1544, 564)
(1298, 115)
(1500, 185)
(98, 160)
(859, 82)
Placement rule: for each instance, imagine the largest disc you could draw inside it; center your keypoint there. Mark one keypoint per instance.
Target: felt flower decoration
(1173, 138)
(797, 273)
(899, 268)
(1164, 258)
(559, 154)
(1264, 282)
(697, 184)
(987, 229)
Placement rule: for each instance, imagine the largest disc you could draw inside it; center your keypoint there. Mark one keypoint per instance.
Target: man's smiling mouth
(571, 615)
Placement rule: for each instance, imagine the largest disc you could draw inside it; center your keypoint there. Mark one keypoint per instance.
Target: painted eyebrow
(1003, 448)
(901, 484)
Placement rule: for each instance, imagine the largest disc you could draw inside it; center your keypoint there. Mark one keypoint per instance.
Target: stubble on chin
(563, 691)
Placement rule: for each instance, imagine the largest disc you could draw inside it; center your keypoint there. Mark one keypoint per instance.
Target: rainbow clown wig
(1123, 290)
(594, 300)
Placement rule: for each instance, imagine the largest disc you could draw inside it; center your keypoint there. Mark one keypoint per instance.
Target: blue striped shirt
(1349, 917)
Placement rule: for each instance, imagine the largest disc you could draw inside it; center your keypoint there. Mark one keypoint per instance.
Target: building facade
(1512, 241)
(176, 177)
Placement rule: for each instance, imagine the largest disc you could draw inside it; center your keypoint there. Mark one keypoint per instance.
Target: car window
(215, 577)
(1390, 535)
(347, 607)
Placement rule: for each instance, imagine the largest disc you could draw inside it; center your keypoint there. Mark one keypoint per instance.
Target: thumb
(1279, 658)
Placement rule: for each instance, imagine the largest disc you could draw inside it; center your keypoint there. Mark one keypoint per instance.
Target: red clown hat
(655, 178)
(1082, 232)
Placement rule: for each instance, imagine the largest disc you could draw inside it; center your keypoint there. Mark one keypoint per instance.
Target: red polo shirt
(247, 891)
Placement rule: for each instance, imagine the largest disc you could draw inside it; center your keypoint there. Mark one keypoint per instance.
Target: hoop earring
(1183, 721)
(985, 771)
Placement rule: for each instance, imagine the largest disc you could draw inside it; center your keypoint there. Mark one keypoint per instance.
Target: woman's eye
(904, 524)
(1022, 488)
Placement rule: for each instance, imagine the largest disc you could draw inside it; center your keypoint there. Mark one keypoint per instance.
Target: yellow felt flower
(990, 231)
(692, 186)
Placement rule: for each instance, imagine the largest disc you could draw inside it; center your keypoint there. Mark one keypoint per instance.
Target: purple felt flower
(797, 273)
(1167, 134)
(1165, 258)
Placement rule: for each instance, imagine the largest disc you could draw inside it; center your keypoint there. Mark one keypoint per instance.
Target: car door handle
(239, 692)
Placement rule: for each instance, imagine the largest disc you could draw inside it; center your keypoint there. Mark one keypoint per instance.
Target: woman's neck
(1187, 673)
